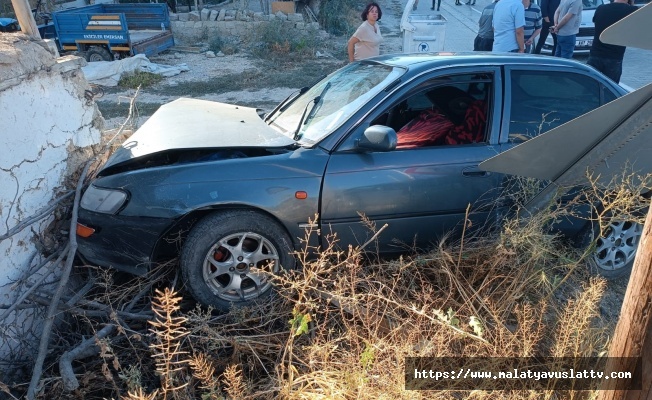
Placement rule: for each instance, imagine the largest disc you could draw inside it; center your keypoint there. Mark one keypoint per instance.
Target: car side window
(449, 110)
(542, 100)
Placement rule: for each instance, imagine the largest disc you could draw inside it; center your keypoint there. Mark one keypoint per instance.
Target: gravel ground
(201, 69)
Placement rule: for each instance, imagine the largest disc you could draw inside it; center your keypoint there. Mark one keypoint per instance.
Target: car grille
(586, 32)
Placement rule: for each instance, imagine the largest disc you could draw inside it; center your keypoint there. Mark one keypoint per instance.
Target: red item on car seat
(473, 127)
(430, 128)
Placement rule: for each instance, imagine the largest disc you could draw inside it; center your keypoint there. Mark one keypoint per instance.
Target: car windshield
(333, 100)
(591, 4)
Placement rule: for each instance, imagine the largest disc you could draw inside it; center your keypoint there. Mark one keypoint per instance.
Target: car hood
(198, 124)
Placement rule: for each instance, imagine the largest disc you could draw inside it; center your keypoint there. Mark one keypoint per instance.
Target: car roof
(425, 61)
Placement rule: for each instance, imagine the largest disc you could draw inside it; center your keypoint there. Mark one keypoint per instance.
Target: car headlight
(107, 201)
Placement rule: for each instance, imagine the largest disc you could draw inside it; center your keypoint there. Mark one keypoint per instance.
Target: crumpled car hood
(196, 124)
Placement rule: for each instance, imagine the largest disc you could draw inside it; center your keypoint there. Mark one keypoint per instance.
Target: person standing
(532, 23)
(365, 42)
(433, 4)
(548, 8)
(567, 25)
(508, 23)
(485, 39)
(608, 58)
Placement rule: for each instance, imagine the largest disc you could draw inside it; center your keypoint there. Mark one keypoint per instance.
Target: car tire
(223, 253)
(613, 250)
(96, 53)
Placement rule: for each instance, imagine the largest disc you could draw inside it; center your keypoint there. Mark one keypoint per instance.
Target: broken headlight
(101, 200)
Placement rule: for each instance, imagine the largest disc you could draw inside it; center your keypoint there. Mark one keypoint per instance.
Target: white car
(584, 38)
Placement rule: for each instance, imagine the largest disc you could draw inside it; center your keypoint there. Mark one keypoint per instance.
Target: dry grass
(342, 328)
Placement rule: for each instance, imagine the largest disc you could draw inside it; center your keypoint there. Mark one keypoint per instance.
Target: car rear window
(542, 100)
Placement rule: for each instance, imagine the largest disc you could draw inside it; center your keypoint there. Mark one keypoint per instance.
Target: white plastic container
(422, 33)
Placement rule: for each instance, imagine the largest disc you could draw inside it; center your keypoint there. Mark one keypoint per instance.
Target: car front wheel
(615, 248)
(229, 256)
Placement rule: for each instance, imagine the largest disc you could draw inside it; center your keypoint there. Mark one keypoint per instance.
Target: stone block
(222, 14)
(174, 17)
(184, 17)
(300, 26)
(194, 16)
(259, 16)
(213, 15)
(280, 15)
(231, 13)
(205, 14)
(295, 17)
(229, 18)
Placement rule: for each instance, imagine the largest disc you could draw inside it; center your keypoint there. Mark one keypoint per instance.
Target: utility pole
(633, 335)
(25, 18)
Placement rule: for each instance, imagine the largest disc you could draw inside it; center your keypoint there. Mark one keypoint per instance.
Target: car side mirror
(377, 138)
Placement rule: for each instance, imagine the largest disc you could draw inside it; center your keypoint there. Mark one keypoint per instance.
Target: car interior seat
(453, 102)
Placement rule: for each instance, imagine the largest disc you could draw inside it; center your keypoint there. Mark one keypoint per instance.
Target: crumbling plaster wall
(46, 130)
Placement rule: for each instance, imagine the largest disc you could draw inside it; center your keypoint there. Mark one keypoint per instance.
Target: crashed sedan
(397, 138)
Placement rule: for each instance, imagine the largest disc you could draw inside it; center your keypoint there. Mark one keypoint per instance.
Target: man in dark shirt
(548, 8)
(608, 58)
(485, 39)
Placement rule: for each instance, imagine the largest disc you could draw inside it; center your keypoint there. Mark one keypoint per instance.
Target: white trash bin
(422, 33)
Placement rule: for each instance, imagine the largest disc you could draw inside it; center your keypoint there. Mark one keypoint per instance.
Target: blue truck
(105, 32)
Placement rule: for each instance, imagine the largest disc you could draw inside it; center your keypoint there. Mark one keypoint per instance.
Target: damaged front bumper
(123, 243)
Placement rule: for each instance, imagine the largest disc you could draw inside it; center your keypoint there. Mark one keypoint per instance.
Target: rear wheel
(228, 257)
(615, 248)
(96, 53)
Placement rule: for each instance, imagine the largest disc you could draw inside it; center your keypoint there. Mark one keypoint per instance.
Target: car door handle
(474, 171)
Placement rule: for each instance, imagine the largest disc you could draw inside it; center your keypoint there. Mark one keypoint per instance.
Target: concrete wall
(46, 129)
(236, 25)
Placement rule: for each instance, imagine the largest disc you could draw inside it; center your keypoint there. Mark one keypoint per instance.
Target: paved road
(462, 26)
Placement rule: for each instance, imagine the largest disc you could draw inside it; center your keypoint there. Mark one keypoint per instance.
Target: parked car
(584, 38)
(232, 192)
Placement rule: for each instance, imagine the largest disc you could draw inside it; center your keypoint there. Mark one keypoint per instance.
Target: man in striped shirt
(532, 23)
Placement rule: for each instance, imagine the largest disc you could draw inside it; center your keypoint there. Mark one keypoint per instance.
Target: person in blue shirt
(509, 23)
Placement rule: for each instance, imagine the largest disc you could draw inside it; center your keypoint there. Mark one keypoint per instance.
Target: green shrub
(226, 46)
(216, 44)
(278, 39)
(340, 17)
(139, 78)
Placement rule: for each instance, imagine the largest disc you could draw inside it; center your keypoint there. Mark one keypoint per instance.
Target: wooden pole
(633, 335)
(25, 18)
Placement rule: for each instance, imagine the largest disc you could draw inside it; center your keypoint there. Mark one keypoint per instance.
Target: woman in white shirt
(365, 42)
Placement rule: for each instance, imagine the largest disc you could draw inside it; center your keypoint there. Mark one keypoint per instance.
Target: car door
(420, 192)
